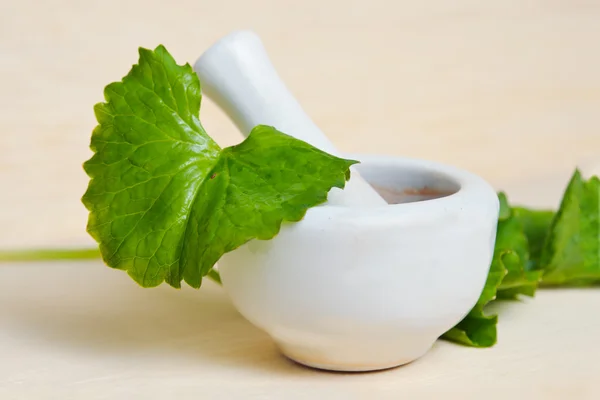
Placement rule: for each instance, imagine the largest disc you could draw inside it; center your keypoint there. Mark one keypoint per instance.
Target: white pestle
(238, 75)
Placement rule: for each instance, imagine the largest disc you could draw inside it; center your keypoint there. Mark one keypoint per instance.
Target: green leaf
(518, 280)
(536, 224)
(508, 278)
(269, 178)
(478, 329)
(512, 251)
(166, 202)
(571, 255)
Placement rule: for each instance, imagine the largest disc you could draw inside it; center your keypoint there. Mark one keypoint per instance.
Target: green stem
(49, 255)
(66, 254)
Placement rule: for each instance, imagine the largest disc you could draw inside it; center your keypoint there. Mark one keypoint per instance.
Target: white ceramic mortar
(357, 289)
(358, 284)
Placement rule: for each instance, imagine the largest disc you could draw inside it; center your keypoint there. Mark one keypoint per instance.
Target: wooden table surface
(507, 89)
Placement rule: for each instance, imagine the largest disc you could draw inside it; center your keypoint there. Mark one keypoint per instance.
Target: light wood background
(507, 89)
